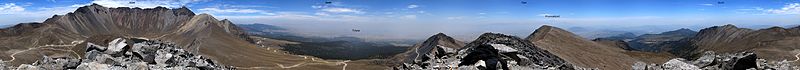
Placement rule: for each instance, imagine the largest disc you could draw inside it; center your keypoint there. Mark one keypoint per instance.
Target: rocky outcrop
(436, 46)
(494, 51)
(141, 55)
(712, 61)
(579, 51)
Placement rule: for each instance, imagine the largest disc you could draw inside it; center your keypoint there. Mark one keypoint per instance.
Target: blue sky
(463, 18)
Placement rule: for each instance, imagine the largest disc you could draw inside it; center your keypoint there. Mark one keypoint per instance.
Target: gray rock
(3, 65)
(145, 55)
(679, 64)
(493, 51)
(116, 45)
(712, 61)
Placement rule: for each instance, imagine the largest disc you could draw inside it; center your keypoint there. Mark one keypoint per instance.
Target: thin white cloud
(322, 14)
(545, 14)
(233, 11)
(145, 3)
(793, 8)
(243, 6)
(11, 8)
(342, 10)
(22, 13)
(409, 17)
(298, 16)
(706, 4)
(412, 6)
(455, 18)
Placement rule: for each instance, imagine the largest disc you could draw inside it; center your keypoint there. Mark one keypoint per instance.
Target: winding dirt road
(313, 62)
(73, 43)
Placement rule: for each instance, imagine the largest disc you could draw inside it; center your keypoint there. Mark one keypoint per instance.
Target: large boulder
(493, 51)
(142, 55)
(713, 61)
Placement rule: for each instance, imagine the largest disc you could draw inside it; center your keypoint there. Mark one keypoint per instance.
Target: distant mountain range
(5, 26)
(654, 42)
(327, 48)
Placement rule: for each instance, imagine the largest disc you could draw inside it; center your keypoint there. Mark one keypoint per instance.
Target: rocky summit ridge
(129, 54)
(493, 51)
(438, 45)
(714, 61)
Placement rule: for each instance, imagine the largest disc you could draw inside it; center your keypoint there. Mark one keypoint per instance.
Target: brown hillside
(579, 51)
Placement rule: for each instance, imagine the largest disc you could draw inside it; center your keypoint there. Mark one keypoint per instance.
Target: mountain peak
(90, 8)
(437, 45)
(95, 4)
(684, 29)
(184, 11)
(441, 38)
(439, 35)
(489, 51)
(775, 27)
(546, 30)
(564, 44)
(682, 32)
(546, 26)
(796, 27)
(493, 35)
(204, 17)
(729, 26)
(537, 53)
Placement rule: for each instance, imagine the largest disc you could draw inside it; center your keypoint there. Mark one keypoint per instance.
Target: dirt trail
(313, 61)
(73, 43)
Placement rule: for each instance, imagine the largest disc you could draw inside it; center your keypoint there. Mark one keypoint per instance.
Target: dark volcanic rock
(516, 48)
(495, 51)
(711, 61)
(436, 46)
(129, 54)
